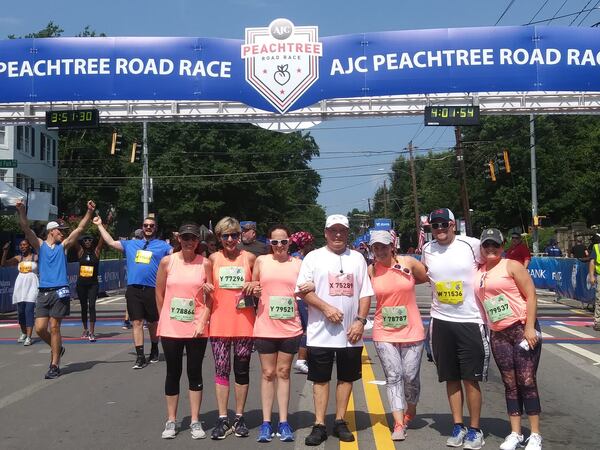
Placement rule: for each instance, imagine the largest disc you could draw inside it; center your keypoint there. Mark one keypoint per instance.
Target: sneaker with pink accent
(399, 433)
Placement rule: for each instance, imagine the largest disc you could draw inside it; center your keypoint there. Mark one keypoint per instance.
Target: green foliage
(51, 30)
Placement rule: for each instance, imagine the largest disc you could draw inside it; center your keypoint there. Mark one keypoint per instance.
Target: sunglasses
(87, 240)
(226, 236)
(402, 269)
(148, 225)
(189, 237)
(487, 244)
(280, 241)
(442, 225)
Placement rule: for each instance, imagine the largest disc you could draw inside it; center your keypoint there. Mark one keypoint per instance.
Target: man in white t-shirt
(337, 312)
(459, 338)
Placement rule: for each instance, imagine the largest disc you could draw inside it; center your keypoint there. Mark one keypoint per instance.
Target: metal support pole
(145, 182)
(413, 177)
(534, 199)
(464, 194)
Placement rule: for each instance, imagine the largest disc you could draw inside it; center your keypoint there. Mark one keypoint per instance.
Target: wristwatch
(361, 320)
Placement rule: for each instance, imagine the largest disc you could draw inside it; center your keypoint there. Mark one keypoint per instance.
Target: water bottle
(525, 345)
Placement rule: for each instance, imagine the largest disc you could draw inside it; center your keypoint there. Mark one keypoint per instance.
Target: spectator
(249, 242)
(579, 250)
(518, 250)
(552, 249)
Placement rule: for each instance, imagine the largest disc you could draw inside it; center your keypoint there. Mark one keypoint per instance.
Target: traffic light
(115, 146)
(135, 152)
(492, 170)
(536, 221)
(506, 160)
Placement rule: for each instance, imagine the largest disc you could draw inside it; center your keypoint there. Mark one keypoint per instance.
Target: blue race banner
(383, 224)
(285, 67)
(565, 276)
(111, 276)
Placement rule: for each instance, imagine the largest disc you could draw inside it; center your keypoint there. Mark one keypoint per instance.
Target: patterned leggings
(401, 364)
(242, 350)
(518, 368)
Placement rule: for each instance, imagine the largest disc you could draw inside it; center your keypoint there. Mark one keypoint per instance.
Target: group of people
(240, 302)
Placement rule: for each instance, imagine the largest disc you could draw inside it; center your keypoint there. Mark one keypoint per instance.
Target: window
(23, 182)
(53, 195)
(32, 141)
(53, 152)
(43, 138)
(26, 140)
(49, 142)
(31, 184)
(3, 174)
(2, 135)
(19, 143)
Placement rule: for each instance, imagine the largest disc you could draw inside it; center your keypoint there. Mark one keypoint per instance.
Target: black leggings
(173, 350)
(87, 293)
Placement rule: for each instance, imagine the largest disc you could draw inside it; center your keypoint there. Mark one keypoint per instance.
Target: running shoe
(458, 435)
(341, 431)
(512, 441)
(170, 430)
(399, 433)
(27, 342)
(92, 337)
(301, 367)
(53, 372)
(474, 439)
(534, 442)
(153, 358)
(22, 338)
(197, 430)
(221, 429)
(85, 334)
(265, 432)
(408, 419)
(239, 427)
(140, 362)
(285, 432)
(126, 325)
(317, 436)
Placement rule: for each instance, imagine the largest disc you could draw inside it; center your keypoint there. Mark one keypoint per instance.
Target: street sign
(8, 163)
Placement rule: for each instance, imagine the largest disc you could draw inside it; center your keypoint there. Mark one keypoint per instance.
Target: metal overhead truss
(490, 103)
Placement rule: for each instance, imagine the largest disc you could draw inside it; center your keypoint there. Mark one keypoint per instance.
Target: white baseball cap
(382, 236)
(60, 224)
(335, 219)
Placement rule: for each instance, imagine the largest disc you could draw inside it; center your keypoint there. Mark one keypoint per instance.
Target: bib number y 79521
(281, 307)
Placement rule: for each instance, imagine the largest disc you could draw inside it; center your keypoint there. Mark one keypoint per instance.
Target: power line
(580, 12)
(538, 11)
(505, 11)
(589, 12)
(558, 10)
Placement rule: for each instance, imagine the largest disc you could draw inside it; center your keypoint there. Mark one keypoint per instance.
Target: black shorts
(461, 351)
(49, 304)
(348, 363)
(273, 345)
(141, 303)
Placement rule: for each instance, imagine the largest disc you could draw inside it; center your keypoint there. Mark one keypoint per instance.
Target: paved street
(100, 402)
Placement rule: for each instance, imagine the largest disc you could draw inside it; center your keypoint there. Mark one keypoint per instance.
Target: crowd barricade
(112, 276)
(568, 277)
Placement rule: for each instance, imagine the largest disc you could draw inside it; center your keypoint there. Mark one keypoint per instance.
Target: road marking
(350, 417)
(574, 348)
(110, 300)
(573, 332)
(380, 429)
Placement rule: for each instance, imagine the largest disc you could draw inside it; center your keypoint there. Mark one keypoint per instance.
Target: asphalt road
(99, 402)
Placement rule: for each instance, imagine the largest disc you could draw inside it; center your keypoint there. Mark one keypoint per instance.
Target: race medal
(182, 309)
(449, 292)
(86, 271)
(341, 284)
(281, 307)
(394, 316)
(25, 266)
(143, 256)
(231, 277)
(63, 293)
(497, 308)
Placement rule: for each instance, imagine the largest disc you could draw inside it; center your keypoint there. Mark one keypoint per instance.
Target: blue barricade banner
(565, 276)
(286, 68)
(112, 276)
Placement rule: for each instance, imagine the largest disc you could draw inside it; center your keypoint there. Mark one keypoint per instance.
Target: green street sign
(8, 163)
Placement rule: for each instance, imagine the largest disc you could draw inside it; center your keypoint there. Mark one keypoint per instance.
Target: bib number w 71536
(449, 292)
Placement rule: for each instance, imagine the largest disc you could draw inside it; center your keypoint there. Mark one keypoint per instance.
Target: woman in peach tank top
(184, 306)
(398, 333)
(231, 324)
(278, 329)
(507, 294)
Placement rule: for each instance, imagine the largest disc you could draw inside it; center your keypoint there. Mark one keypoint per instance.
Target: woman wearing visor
(184, 306)
(507, 294)
(398, 332)
(87, 282)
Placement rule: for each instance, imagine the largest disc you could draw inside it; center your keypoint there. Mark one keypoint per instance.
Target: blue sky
(370, 145)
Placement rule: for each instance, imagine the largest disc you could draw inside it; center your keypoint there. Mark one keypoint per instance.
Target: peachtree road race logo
(282, 61)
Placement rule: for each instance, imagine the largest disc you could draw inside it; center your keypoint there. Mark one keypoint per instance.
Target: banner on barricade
(566, 276)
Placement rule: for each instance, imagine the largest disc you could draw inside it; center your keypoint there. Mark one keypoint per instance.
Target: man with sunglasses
(249, 242)
(459, 338)
(337, 314)
(143, 257)
(54, 296)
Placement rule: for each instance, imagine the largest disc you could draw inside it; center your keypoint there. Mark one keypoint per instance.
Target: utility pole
(534, 200)
(385, 200)
(414, 189)
(145, 183)
(464, 194)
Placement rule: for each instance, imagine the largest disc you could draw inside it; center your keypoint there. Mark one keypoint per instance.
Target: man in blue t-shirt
(53, 301)
(143, 257)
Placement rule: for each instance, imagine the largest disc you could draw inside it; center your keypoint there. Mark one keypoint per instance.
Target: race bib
(231, 277)
(281, 307)
(143, 256)
(182, 309)
(86, 271)
(25, 266)
(497, 308)
(449, 292)
(394, 316)
(341, 284)
(63, 293)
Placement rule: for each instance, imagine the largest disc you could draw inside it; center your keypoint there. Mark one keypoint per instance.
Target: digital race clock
(451, 115)
(72, 119)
